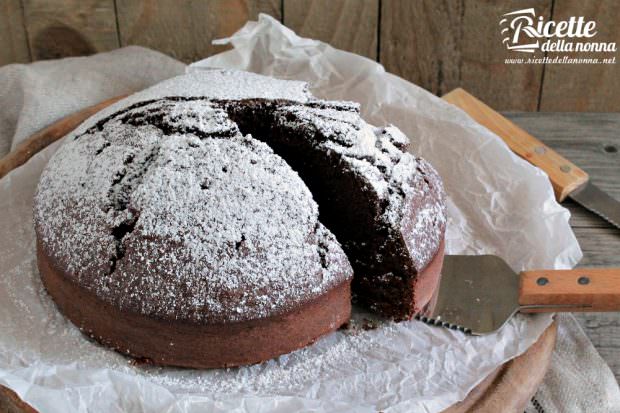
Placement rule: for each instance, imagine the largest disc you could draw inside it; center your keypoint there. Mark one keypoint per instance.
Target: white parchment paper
(497, 204)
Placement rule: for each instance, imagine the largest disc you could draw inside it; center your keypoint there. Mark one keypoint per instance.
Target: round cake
(221, 218)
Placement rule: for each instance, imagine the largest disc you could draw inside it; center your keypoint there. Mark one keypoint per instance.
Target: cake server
(567, 179)
(479, 293)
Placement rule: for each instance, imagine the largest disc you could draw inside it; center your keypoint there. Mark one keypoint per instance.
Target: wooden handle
(565, 177)
(584, 289)
(26, 149)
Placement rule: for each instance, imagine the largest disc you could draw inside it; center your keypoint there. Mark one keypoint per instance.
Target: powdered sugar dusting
(421, 213)
(188, 227)
(166, 209)
(411, 188)
(344, 352)
(230, 85)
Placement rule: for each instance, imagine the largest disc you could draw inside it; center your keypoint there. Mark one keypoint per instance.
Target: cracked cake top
(160, 205)
(182, 217)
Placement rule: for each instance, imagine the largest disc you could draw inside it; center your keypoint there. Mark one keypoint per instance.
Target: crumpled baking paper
(497, 204)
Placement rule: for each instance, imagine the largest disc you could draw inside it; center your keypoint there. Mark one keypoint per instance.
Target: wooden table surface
(592, 142)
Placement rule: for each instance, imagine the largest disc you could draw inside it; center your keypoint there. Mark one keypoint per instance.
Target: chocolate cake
(218, 218)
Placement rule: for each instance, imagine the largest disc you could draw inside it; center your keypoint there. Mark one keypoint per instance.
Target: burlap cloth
(35, 95)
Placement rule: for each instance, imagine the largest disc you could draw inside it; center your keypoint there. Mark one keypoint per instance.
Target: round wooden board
(507, 389)
(511, 386)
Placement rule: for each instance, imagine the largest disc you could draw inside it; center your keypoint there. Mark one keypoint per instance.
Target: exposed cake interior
(384, 206)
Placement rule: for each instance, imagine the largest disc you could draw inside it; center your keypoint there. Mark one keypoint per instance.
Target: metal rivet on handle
(565, 168)
(540, 150)
(583, 280)
(542, 281)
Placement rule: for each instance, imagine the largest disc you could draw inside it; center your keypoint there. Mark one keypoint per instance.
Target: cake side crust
(194, 345)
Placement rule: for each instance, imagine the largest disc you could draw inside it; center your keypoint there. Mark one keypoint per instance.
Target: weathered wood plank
(350, 25)
(585, 87)
(61, 28)
(421, 42)
(13, 39)
(600, 247)
(483, 68)
(440, 45)
(185, 29)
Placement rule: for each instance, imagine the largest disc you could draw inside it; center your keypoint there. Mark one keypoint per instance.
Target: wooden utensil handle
(46, 136)
(565, 177)
(589, 289)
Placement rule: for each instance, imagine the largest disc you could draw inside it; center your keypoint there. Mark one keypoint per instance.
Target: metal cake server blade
(599, 202)
(462, 304)
(567, 179)
(478, 294)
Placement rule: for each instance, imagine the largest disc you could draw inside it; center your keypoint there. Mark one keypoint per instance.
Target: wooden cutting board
(507, 389)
